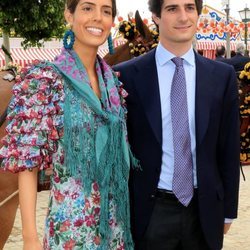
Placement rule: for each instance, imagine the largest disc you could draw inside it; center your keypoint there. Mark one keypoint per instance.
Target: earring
(110, 44)
(68, 39)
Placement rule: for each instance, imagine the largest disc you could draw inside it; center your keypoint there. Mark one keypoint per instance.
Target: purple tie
(183, 171)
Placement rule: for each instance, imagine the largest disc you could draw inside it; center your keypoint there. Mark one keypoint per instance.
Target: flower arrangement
(128, 30)
(245, 113)
(245, 74)
(136, 43)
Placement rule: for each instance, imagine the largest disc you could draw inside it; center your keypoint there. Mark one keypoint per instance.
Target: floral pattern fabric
(35, 139)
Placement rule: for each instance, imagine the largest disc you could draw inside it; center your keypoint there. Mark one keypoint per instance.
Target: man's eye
(190, 8)
(172, 9)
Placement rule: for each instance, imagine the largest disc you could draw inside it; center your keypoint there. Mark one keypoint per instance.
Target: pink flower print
(95, 187)
(69, 245)
(96, 198)
(41, 97)
(121, 247)
(75, 195)
(123, 92)
(25, 85)
(33, 142)
(49, 122)
(70, 59)
(97, 240)
(97, 210)
(65, 226)
(78, 223)
(57, 179)
(51, 229)
(54, 134)
(75, 73)
(111, 222)
(59, 197)
(33, 114)
(90, 220)
(87, 204)
(114, 98)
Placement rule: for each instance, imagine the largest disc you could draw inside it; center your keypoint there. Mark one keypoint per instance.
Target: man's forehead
(178, 2)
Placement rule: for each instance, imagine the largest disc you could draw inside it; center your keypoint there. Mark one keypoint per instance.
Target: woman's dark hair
(156, 5)
(71, 5)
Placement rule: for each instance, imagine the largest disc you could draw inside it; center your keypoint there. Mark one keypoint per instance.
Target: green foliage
(34, 20)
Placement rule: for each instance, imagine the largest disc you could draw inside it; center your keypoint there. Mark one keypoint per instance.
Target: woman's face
(91, 22)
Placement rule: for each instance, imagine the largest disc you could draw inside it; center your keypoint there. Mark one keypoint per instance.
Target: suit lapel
(148, 90)
(203, 97)
(147, 87)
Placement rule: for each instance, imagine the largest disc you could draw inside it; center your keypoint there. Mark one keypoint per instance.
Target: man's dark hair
(156, 5)
(220, 50)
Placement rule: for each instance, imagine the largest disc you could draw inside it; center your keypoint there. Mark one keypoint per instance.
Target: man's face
(178, 22)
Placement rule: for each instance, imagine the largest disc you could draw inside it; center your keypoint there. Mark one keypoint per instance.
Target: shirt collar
(163, 56)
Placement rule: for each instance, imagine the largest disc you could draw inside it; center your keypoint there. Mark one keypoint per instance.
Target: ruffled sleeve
(35, 119)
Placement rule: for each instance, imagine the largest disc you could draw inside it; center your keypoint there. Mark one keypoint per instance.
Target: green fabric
(103, 153)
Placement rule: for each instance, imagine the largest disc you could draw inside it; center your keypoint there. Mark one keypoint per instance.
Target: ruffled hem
(35, 119)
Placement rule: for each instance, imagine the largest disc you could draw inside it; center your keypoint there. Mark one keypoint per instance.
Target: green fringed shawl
(95, 142)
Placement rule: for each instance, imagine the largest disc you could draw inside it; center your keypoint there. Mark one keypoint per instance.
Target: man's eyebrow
(176, 5)
(171, 6)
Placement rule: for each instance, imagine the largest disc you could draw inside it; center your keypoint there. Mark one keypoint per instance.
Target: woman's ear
(68, 16)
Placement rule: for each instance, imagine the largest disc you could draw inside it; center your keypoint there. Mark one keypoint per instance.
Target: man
(239, 60)
(220, 53)
(202, 141)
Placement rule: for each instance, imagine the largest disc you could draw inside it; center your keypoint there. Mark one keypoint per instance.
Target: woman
(68, 115)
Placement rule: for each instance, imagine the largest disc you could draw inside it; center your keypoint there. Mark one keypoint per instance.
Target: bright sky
(126, 6)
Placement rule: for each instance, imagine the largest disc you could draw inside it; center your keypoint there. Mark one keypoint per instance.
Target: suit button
(152, 196)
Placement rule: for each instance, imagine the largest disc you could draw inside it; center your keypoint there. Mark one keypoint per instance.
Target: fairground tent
(212, 28)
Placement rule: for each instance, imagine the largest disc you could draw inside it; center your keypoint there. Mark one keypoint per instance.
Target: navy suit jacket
(217, 141)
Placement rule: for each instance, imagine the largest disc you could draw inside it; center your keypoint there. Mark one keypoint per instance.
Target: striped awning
(208, 45)
(26, 56)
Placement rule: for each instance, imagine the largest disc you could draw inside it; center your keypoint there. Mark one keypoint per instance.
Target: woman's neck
(87, 57)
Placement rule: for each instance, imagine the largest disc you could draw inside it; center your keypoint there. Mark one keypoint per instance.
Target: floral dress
(36, 140)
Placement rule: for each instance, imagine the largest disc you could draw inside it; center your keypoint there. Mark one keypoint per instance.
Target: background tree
(35, 21)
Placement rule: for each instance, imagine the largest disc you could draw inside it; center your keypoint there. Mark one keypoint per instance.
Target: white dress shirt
(165, 70)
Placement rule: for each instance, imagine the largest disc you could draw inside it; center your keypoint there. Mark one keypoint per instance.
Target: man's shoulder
(137, 62)
(215, 65)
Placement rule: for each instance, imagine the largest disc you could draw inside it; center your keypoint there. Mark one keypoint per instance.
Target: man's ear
(156, 19)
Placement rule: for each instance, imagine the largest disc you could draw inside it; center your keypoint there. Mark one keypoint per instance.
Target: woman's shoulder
(35, 118)
(37, 71)
(41, 77)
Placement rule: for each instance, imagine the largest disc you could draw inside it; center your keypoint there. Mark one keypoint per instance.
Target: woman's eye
(108, 12)
(86, 9)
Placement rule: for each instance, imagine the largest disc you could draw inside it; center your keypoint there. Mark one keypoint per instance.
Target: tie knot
(177, 61)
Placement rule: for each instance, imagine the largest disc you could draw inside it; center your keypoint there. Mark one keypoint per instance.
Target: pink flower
(96, 198)
(115, 100)
(95, 187)
(59, 197)
(69, 245)
(96, 210)
(51, 229)
(97, 240)
(78, 223)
